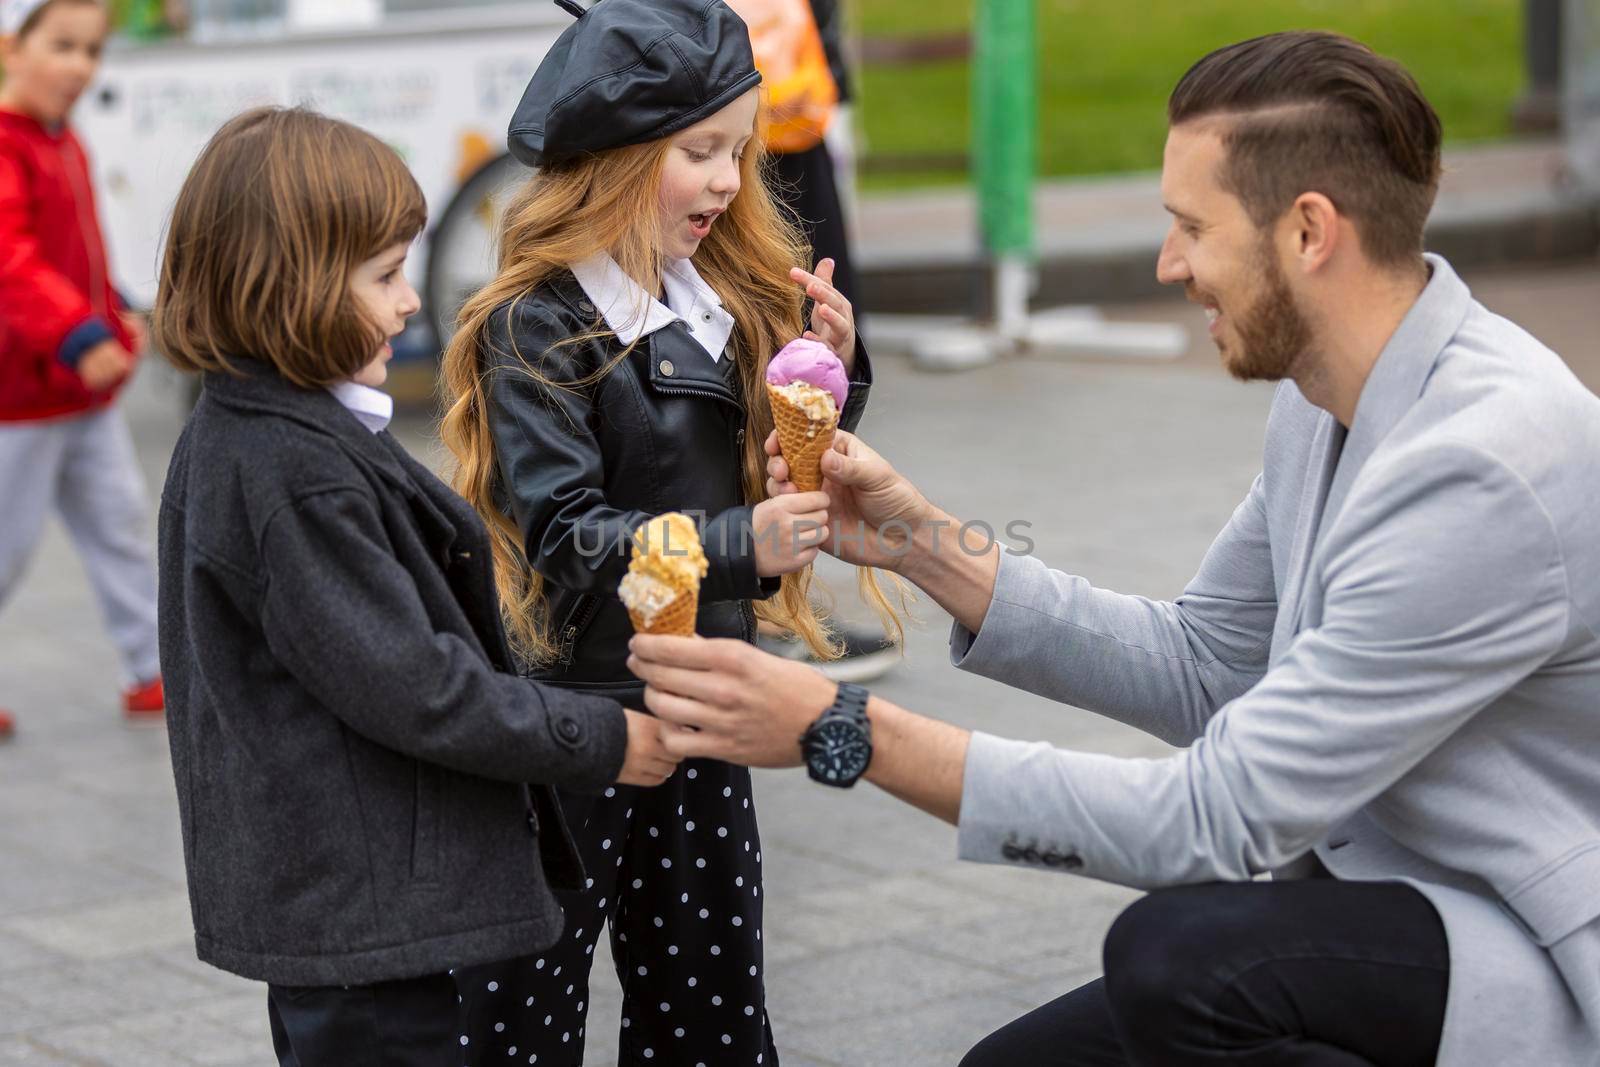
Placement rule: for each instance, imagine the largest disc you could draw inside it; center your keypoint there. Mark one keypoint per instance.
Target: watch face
(838, 752)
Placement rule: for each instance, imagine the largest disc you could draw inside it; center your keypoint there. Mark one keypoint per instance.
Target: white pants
(84, 469)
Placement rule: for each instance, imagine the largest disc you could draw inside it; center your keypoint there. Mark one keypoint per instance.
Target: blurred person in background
(68, 342)
(806, 83)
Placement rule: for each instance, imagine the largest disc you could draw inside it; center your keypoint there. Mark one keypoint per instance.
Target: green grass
(1105, 69)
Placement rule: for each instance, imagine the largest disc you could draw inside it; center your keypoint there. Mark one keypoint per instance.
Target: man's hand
(648, 761)
(728, 700)
(104, 365)
(878, 519)
(872, 509)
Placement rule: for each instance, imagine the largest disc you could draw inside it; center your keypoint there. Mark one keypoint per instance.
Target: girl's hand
(648, 762)
(833, 321)
(788, 530)
(104, 365)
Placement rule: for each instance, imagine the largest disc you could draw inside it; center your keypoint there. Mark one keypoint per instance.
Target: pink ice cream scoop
(811, 362)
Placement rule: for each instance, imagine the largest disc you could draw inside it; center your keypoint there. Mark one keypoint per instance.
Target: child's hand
(833, 321)
(104, 365)
(647, 763)
(788, 530)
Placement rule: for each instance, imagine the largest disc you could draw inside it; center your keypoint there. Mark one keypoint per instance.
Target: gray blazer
(1389, 657)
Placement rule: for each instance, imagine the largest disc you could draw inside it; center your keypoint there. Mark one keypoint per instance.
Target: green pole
(1005, 118)
(142, 20)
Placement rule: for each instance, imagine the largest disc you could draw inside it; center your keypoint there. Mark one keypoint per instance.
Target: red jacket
(56, 297)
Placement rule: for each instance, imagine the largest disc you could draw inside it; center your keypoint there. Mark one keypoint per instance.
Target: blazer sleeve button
(1011, 852)
(569, 730)
(1072, 863)
(1031, 855)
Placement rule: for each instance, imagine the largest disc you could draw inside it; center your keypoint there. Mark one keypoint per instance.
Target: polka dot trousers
(676, 872)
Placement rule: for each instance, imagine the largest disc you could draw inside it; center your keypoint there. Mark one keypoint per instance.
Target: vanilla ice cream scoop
(662, 587)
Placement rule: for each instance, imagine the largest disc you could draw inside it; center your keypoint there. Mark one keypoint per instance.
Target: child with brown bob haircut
(349, 741)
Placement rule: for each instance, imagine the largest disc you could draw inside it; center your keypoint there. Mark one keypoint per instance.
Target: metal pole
(1581, 92)
(1005, 124)
(1004, 151)
(1538, 109)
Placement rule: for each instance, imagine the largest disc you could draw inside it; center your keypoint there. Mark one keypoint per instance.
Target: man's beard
(1272, 336)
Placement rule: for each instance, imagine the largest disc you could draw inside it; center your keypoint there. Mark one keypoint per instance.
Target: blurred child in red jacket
(67, 342)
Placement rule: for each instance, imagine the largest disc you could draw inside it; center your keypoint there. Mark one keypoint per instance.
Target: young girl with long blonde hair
(613, 371)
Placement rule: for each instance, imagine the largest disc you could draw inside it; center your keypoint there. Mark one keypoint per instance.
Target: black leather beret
(630, 71)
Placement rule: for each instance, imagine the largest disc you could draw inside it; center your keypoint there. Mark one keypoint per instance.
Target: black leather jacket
(582, 465)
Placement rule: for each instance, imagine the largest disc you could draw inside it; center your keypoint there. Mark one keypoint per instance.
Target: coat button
(533, 824)
(569, 730)
(1031, 855)
(586, 307)
(464, 557)
(738, 438)
(706, 317)
(1011, 852)
(667, 368)
(1052, 858)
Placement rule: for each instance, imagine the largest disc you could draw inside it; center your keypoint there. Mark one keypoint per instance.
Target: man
(1387, 670)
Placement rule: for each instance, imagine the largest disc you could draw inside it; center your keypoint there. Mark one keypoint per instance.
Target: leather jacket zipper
(747, 610)
(678, 390)
(575, 623)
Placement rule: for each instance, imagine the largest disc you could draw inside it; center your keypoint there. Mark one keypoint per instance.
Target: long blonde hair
(608, 203)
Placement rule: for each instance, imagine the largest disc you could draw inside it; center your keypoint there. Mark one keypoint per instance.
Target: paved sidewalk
(882, 949)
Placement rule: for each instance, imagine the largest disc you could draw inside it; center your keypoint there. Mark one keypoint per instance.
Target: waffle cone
(801, 440)
(674, 620)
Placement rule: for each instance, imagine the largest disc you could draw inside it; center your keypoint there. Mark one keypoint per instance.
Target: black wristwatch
(838, 746)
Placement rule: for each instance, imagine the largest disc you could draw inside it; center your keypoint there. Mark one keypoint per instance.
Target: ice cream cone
(675, 619)
(662, 587)
(803, 436)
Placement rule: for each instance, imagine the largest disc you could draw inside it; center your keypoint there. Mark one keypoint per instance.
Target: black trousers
(1320, 973)
(675, 873)
(410, 1023)
(805, 181)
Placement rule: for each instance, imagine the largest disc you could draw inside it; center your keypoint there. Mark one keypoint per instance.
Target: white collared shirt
(631, 313)
(373, 408)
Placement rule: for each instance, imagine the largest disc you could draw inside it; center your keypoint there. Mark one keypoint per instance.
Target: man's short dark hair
(1307, 111)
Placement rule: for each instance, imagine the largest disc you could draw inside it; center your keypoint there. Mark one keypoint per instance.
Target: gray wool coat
(349, 742)
(1389, 658)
